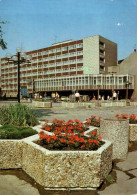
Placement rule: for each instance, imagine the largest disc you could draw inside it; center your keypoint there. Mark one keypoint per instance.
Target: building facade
(68, 60)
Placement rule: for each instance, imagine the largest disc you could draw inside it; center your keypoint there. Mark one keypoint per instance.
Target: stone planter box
(66, 169)
(112, 104)
(40, 104)
(133, 103)
(11, 154)
(133, 132)
(78, 105)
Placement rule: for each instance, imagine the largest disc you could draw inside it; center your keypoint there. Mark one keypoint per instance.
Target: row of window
(51, 51)
(46, 72)
(58, 57)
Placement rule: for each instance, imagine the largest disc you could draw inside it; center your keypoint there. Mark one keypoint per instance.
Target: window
(79, 60)
(52, 51)
(72, 61)
(65, 55)
(80, 53)
(40, 53)
(73, 54)
(80, 68)
(102, 44)
(58, 50)
(58, 57)
(65, 49)
(79, 45)
(45, 52)
(72, 46)
(65, 62)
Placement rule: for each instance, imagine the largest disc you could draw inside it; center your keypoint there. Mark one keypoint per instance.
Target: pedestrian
(114, 95)
(77, 96)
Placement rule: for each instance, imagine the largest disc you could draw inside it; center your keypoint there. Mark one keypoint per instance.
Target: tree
(3, 44)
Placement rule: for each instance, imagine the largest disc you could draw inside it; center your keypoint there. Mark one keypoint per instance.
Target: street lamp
(19, 58)
(127, 87)
(98, 93)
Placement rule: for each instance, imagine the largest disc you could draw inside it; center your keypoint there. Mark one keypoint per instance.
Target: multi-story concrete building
(66, 66)
(91, 55)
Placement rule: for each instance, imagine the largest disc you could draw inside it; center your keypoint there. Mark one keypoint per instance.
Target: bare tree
(3, 44)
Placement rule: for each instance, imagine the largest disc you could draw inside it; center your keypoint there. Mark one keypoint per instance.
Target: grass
(15, 132)
(18, 115)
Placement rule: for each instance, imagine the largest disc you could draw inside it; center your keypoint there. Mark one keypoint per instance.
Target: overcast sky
(35, 24)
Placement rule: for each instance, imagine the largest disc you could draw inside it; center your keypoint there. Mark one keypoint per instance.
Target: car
(64, 98)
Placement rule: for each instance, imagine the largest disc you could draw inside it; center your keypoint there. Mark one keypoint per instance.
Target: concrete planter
(116, 131)
(112, 104)
(79, 104)
(11, 154)
(40, 104)
(133, 103)
(133, 132)
(66, 169)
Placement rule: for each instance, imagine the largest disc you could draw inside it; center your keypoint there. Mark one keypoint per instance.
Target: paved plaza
(59, 112)
(124, 173)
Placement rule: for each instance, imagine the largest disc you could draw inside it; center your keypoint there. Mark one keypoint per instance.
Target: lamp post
(127, 86)
(98, 93)
(17, 59)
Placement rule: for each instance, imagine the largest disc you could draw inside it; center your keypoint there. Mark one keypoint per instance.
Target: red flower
(93, 133)
(83, 146)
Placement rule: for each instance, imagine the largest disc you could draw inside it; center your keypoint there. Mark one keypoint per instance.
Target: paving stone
(134, 172)
(121, 176)
(11, 185)
(122, 188)
(129, 163)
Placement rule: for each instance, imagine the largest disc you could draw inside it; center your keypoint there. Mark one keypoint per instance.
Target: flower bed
(60, 126)
(70, 141)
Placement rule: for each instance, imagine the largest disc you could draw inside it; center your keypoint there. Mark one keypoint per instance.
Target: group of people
(114, 97)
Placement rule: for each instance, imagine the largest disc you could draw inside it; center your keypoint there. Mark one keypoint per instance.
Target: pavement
(122, 180)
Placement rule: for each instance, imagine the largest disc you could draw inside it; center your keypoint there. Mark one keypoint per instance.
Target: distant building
(85, 65)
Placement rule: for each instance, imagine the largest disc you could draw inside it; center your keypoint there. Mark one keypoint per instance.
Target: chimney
(134, 50)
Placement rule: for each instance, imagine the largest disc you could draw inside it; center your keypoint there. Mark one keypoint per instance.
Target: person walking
(77, 96)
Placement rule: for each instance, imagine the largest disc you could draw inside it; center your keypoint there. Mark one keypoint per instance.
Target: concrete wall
(110, 53)
(129, 66)
(91, 55)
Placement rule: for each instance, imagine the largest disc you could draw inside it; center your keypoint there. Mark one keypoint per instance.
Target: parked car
(64, 98)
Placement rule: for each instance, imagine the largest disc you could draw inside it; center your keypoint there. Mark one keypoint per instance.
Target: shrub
(15, 132)
(18, 114)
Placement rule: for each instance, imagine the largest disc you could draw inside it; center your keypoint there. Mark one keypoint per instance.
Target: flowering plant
(132, 118)
(60, 126)
(67, 141)
(93, 121)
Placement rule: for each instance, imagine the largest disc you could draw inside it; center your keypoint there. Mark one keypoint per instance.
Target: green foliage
(110, 179)
(15, 132)
(18, 115)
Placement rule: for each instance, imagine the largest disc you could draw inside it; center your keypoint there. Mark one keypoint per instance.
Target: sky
(36, 24)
